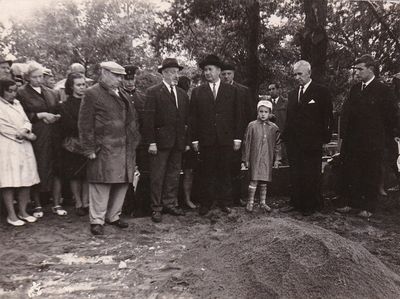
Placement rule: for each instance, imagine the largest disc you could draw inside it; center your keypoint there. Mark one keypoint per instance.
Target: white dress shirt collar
(305, 86)
(369, 81)
(217, 84)
(38, 89)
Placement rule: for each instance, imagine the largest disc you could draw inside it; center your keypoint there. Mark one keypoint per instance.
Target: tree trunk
(253, 17)
(314, 39)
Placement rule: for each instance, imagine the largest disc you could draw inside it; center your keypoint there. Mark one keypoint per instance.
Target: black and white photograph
(200, 149)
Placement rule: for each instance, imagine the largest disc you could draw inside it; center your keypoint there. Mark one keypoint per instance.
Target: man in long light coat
(109, 134)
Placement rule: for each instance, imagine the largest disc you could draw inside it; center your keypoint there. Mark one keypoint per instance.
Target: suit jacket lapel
(209, 93)
(220, 92)
(168, 94)
(307, 93)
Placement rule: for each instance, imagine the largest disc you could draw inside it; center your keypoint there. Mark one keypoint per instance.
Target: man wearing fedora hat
(165, 130)
(216, 122)
(5, 67)
(109, 134)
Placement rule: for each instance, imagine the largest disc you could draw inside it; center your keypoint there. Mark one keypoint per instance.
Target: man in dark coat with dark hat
(216, 130)
(165, 130)
(228, 76)
(249, 114)
(129, 91)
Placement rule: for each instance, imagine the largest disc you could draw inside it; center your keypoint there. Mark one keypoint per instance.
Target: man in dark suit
(216, 131)
(249, 114)
(165, 129)
(369, 122)
(308, 127)
(279, 109)
(249, 108)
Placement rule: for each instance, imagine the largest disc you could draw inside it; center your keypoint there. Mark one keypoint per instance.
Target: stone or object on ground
(285, 258)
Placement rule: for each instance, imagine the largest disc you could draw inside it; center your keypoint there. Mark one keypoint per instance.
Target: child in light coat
(261, 152)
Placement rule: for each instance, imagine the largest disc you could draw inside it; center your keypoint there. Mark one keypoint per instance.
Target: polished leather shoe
(287, 209)
(97, 229)
(203, 211)
(118, 223)
(81, 211)
(174, 211)
(156, 217)
(225, 209)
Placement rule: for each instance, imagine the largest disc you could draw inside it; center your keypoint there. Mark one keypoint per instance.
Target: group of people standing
(95, 137)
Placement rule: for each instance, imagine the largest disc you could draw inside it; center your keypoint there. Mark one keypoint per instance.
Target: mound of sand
(284, 258)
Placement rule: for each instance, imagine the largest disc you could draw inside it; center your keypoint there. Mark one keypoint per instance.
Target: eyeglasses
(12, 90)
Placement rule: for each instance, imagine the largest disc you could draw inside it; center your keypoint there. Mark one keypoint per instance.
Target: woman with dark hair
(18, 169)
(40, 104)
(73, 161)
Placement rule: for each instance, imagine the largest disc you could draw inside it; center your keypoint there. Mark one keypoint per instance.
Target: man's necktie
(214, 91)
(300, 93)
(363, 85)
(173, 95)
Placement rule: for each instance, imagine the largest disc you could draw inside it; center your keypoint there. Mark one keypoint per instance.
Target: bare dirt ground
(59, 258)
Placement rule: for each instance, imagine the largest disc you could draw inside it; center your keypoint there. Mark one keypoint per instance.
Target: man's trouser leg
(170, 186)
(116, 201)
(158, 167)
(98, 202)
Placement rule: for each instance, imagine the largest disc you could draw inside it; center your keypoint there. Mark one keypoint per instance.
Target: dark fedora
(130, 71)
(169, 62)
(211, 60)
(228, 66)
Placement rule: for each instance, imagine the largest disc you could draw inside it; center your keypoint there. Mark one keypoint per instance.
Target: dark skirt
(72, 166)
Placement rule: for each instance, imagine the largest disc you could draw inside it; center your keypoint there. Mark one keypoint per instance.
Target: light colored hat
(264, 103)
(113, 67)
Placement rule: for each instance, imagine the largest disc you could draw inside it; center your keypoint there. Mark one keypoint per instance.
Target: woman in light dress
(18, 169)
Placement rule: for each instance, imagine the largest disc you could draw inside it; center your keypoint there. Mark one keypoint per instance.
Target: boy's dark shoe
(118, 223)
(174, 211)
(203, 211)
(156, 217)
(225, 209)
(287, 209)
(97, 229)
(81, 211)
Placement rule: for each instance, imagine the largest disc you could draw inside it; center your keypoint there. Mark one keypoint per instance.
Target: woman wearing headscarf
(40, 104)
(18, 170)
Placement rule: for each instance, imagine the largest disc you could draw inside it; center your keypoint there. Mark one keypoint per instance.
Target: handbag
(71, 144)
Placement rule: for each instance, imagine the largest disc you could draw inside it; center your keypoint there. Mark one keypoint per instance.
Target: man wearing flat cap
(109, 134)
(165, 130)
(5, 67)
(216, 122)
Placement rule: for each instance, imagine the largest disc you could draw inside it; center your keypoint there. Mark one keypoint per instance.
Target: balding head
(302, 72)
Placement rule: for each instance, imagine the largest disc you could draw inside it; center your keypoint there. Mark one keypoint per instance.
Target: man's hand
(236, 145)
(91, 156)
(187, 147)
(277, 164)
(196, 147)
(48, 118)
(152, 149)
